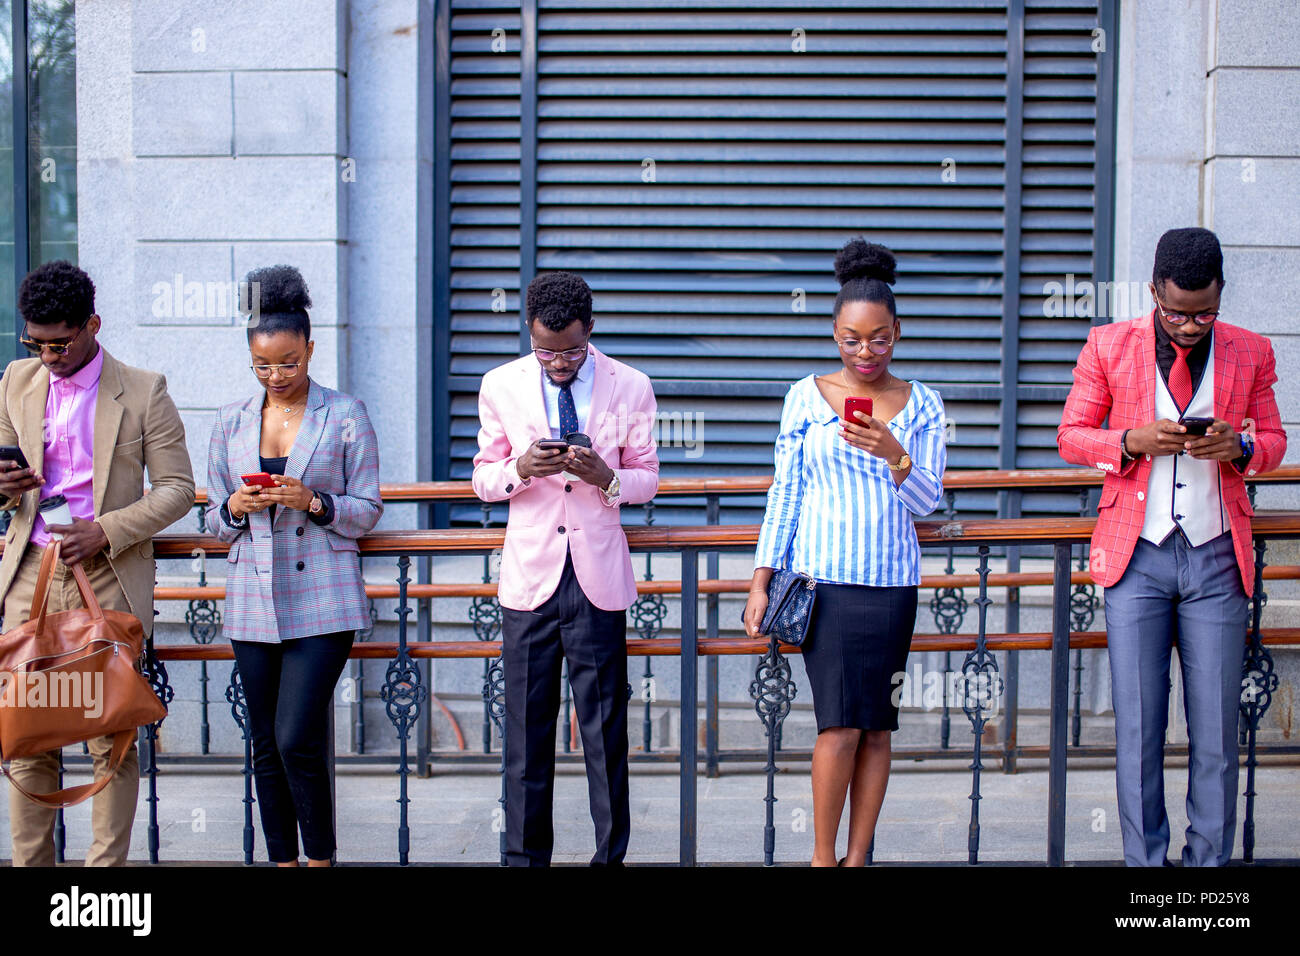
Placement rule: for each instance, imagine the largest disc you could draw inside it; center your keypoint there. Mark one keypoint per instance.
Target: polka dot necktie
(568, 411)
(1180, 378)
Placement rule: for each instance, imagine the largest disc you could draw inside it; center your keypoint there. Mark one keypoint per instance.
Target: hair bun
(280, 289)
(860, 259)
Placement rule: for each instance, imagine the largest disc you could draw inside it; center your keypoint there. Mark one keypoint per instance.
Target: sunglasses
(1180, 318)
(58, 348)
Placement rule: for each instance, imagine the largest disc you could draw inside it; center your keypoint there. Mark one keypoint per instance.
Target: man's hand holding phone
(1161, 437)
(1220, 442)
(16, 478)
(588, 466)
(544, 457)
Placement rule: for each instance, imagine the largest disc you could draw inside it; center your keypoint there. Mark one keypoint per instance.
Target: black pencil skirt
(856, 653)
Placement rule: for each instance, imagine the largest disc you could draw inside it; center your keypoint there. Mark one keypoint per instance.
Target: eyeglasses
(58, 348)
(1179, 318)
(570, 355)
(875, 346)
(266, 371)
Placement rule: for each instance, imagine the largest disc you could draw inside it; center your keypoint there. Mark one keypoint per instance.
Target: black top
(1197, 358)
(273, 466)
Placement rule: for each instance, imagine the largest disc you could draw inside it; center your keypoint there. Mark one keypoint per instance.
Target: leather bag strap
(42, 592)
(69, 796)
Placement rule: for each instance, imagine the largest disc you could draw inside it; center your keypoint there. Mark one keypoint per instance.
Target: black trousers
(289, 687)
(594, 642)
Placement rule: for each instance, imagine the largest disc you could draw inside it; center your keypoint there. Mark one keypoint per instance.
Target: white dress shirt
(581, 389)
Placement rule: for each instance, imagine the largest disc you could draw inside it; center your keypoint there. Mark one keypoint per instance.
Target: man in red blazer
(566, 574)
(1173, 546)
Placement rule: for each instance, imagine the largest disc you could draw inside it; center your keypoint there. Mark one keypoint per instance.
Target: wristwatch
(903, 463)
(611, 490)
(316, 506)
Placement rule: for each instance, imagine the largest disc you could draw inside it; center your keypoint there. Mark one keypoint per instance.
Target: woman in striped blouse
(840, 510)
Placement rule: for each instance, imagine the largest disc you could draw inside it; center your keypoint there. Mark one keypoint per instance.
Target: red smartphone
(259, 478)
(853, 403)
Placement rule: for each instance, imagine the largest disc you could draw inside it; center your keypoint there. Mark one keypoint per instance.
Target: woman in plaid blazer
(294, 592)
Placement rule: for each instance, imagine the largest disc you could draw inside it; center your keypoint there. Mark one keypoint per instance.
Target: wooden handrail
(1025, 479)
(669, 586)
(708, 646)
(991, 531)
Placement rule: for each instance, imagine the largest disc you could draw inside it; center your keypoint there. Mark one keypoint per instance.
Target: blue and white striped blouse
(834, 511)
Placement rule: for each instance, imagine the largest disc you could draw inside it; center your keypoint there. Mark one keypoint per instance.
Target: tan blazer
(137, 427)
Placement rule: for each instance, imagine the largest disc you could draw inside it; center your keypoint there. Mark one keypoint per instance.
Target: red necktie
(1180, 378)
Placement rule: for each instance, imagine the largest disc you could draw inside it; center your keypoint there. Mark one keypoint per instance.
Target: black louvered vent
(700, 171)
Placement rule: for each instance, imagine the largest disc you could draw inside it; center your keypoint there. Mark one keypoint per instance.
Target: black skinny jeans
(289, 688)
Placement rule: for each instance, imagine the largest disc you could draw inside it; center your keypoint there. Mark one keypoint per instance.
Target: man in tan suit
(89, 428)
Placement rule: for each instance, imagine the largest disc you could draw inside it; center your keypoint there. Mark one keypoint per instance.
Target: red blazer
(1116, 376)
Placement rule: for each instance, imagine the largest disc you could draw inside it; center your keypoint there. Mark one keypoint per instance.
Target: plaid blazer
(1116, 376)
(297, 578)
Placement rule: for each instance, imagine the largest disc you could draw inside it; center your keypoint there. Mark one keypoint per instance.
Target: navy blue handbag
(790, 598)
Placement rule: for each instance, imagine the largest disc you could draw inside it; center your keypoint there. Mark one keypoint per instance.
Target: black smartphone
(1196, 426)
(577, 440)
(549, 443)
(14, 453)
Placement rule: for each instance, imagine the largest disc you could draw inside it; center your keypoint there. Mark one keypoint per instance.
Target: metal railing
(405, 688)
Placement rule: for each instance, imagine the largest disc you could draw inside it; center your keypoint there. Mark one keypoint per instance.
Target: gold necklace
(290, 411)
(844, 377)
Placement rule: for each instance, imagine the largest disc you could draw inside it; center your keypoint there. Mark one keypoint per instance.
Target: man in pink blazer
(1190, 413)
(566, 574)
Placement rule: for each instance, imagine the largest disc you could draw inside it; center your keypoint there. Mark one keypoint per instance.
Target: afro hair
(57, 292)
(281, 300)
(557, 299)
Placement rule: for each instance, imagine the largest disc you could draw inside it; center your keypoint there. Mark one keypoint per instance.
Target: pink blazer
(1116, 377)
(549, 515)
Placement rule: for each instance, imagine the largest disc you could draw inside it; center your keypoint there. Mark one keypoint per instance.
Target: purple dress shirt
(70, 443)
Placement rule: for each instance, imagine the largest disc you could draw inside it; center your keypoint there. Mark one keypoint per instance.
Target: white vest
(1183, 491)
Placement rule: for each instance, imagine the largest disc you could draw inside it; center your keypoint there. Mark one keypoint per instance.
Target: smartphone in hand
(1196, 426)
(259, 478)
(854, 403)
(15, 454)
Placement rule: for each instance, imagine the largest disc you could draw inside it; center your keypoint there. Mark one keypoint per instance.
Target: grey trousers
(1193, 597)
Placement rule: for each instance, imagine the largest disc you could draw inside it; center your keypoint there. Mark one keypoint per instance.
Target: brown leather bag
(69, 677)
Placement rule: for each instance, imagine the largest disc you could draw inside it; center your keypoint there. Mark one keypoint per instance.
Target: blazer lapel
(246, 441)
(108, 418)
(309, 432)
(31, 437)
(1225, 375)
(534, 397)
(602, 394)
(1148, 370)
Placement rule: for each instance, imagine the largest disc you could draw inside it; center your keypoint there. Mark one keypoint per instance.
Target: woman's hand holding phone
(289, 492)
(246, 499)
(873, 437)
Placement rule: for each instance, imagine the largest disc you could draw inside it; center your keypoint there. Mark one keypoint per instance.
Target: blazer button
(301, 565)
(1141, 496)
(568, 487)
(300, 532)
(560, 529)
(509, 488)
(1148, 457)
